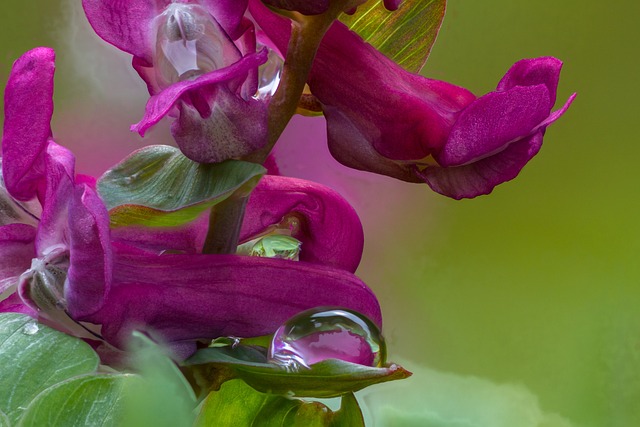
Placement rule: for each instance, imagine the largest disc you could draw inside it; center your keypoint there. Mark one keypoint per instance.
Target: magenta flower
(383, 119)
(71, 239)
(70, 261)
(200, 63)
(315, 7)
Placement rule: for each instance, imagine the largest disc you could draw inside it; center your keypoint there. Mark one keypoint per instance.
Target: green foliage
(34, 357)
(88, 400)
(237, 404)
(159, 186)
(405, 35)
(329, 378)
(163, 397)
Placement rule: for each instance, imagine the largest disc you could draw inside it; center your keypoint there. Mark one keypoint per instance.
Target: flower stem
(225, 222)
(306, 34)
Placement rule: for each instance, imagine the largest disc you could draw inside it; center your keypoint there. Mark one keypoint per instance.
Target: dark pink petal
(126, 24)
(306, 7)
(28, 110)
(493, 121)
(186, 297)
(16, 252)
(331, 232)
(228, 13)
(160, 105)
(90, 263)
(235, 128)
(57, 191)
(14, 304)
(531, 72)
(392, 4)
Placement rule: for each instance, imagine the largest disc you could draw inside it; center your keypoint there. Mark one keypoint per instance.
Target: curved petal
(160, 105)
(187, 297)
(58, 190)
(331, 232)
(493, 121)
(16, 252)
(90, 262)
(531, 72)
(126, 24)
(228, 13)
(28, 110)
(481, 177)
(306, 7)
(234, 129)
(13, 304)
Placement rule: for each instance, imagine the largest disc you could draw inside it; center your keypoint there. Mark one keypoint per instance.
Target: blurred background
(518, 308)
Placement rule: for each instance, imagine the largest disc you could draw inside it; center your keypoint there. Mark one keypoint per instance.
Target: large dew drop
(327, 333)
(190, 43)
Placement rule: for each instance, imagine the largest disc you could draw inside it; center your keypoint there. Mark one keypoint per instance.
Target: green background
(536, 284)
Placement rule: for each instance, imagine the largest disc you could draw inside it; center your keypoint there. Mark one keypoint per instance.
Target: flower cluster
(202, 243)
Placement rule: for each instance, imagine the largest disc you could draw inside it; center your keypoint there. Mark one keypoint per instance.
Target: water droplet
(327, 333)
(269, 75)
(189, 42)
(30, 328)
(272, 246)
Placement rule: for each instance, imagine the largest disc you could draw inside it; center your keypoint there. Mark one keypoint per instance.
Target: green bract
(159, 186)
(406, 35)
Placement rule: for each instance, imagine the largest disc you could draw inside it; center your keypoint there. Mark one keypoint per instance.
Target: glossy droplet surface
(30, 328)
(327, 333)
(269, 75)
(189, 43)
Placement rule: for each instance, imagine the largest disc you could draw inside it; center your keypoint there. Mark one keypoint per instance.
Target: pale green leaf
(236, 404)
(88, 400)
(34, 357)
(159, 186)
(405, 35)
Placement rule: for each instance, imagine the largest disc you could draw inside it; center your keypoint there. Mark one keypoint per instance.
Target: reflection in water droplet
(189, 43)
(30, 328)
(327, 333)
(269, 75)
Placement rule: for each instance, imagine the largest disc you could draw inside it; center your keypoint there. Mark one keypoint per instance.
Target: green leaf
(89, 400)
(159, 186)
(329, 378)
(405, 35)
(34, 357)
(237, 404)
(4, 420)
(163, 397)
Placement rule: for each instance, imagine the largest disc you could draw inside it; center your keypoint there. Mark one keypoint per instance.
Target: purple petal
(492, 122)
(392, 4)
(481, 177)
(126, 24)
(28, 111)
(90, 269)
(186, 297)
(58, 190)
(306, 7)
(234, 129)
(16, 252)
(331, 232)
(160, 105)
(14, 304)
(228, 13)
(531, 72)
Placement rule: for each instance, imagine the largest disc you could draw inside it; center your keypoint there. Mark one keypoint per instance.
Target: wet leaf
(34, 357)
(329, 378)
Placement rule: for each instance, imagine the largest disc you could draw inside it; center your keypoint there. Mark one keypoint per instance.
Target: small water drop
(269, 75)
(30, 328)
(327, 333)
